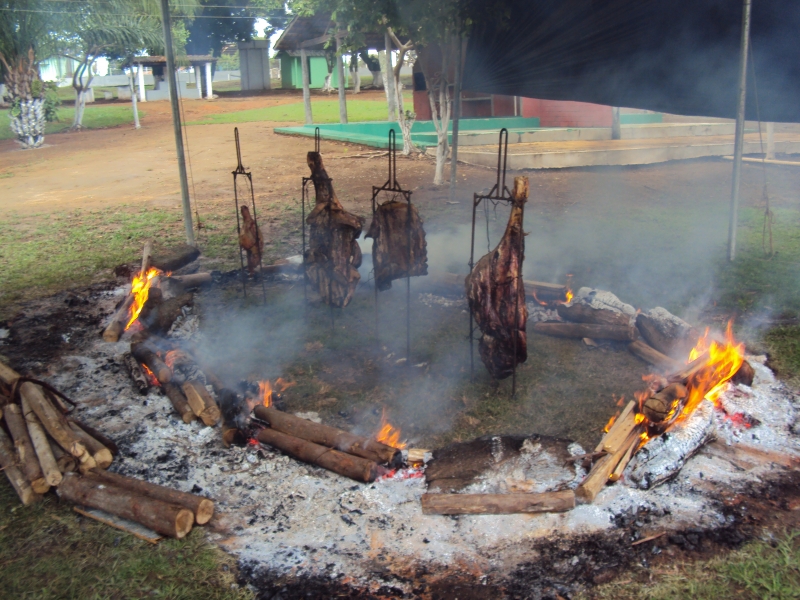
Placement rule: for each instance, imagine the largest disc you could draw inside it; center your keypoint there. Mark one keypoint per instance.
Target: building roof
(313, 32)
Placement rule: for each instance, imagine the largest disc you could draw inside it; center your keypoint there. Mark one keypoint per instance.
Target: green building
(292, 74)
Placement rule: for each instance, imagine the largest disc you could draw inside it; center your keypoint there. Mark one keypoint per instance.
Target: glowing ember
(265, 389)
(570, 295)
(389, 434)
(140, 289)
(150, 376)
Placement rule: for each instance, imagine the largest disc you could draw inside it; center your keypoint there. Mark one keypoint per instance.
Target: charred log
(399, 249)
(496, 294)
(333, 254)
(137, 375)
(175, 258)
(158, 314)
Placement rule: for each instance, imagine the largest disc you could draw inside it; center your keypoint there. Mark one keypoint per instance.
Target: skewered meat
(495, 291)
(395, 228)
(250, 239)
(333, 254)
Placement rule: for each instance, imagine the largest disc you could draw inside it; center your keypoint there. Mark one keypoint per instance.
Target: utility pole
(739, 141)
(176, 122)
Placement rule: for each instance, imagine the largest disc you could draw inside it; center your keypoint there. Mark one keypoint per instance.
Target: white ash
(669, 325)
(186, 326)
(291, 518)
(538, 312)
(434, 300)
(602, 299)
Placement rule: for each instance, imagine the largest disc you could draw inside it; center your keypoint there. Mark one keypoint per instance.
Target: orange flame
(283, 385)
(570, 295)
(389, 434)
(140, 289)
(611, 421)
(265, 389)
(150, 376)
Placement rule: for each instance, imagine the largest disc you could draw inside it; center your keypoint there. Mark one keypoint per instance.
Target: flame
(611, 421)
(150, 375)
(570, 295)
(265, 389)
(282, 385)
(140, 289)
(389, 434)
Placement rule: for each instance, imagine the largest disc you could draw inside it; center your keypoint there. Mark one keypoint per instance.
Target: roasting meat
(495, 290)
(250, 239)
(333, 254)
(392, 229)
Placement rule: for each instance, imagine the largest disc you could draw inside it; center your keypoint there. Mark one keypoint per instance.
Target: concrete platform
(587, 153)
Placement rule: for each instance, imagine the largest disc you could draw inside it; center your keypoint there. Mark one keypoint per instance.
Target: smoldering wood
(137, 375)
(667, 333)
(146, 355)
(333, 254)
(342, 463)
(331, 437)
(650, 355)
(201, 402)
(496, 294)
(8, 460)
(175, 258)
(620, 429)
(658, 406)
(42, 445)
(581, 313)
(203, 508)
(497, 504)
(599, 476)
(399, 249)
(165, 518)
(620, 333)
(744, 375)
(235, 412)
(158, 314)
(119, 320)
(98, 435)
(417, 455)
(189, 281)
(179, 402)
(28, 462)
(102, 455)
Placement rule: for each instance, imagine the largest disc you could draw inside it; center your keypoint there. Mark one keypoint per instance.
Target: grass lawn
(94, 117)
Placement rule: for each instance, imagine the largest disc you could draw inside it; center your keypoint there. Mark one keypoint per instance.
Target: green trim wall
(292, 73)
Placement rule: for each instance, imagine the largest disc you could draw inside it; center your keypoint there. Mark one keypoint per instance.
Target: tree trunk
(306, 87)
(391, 95)
(377, 79)
(136, 124)
(28, 119)
(439, 97)
(356, 76)
(342, 82)
(28, 123)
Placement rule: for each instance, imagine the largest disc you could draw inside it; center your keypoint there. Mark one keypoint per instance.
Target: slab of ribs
(333, 254)
(250, 239)
(396, 229)
(495, 291)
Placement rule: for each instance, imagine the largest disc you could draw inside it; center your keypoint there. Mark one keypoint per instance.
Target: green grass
(47, 551)
(95, 117)
(759, 570)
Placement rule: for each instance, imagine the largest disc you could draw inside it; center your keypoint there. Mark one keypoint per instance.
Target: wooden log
(744, 375)
(116, 326)
(650, 355)
(202, 403)
(690, 370)
(342, 463)
(158, 314)
(98, 435)
(626, 458)
(43, 446)
(583, 330)
(175, 258)
(136, 373)
(8, 460)
(179, 402)
(102, 455)
(147, 252)
(329, 436)
(65, 462)
(497, 504)
(190, 281)
(417, 455)
(203, 508)
(601, 471)
(581, 313)
(147, 356)
(620, 430)
(658, 406)
(28, 463)
(162, 517)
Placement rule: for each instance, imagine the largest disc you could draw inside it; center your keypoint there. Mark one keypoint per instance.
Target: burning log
(619, 430)
(44, 447)
(116, 327)
(658, 407)
(28, 462)
(329, 436)
(189, 281)
(201, 402)
(136, 373)
(145, 354)
(497, 504)
(333, 255)
(583, 313)
(651, 355)
(496, 294)
(541, 291)
(744, 375)
(158, 314)
(342, 463)
(203, 508)
(164, 518)
(417, 455)
(102, 455)
(8, 460)
(602, 470)
(621, 333)
(667, 333)
(179, 402)
(399, 249)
